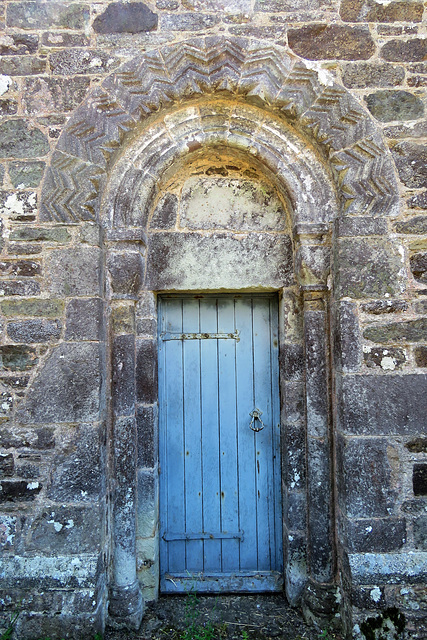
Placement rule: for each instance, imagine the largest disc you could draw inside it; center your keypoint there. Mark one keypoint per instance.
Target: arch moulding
(327, 158)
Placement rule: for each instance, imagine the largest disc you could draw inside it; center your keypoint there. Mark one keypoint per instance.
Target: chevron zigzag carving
(267, 75)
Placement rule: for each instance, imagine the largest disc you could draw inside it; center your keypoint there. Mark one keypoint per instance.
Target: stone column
(125, 268)
(312, 270)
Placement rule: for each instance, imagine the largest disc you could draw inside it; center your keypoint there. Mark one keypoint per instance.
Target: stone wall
(338, 86)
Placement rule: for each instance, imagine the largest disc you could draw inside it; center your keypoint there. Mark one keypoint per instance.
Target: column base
(126, 607)
(321, 605)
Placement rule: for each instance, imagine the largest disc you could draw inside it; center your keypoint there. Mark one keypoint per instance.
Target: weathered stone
(19, 140)
(292, 361)
(277, 33)
(41, 438)
(419, 479)
(378, 307)
(187, 261)
(74, 272)
(26, 174)
(64, 39)
(17, 358)
(58, 234)
(19, 288)
(123, 380)
(19, 44)
(60, 528)
(360, 226)
(417, 225)
(53, 94)
(20, 268)
(18, 205)
(394, 105)
(8, 531)
(120, 17)
(188, 21)
(231, 6)
(167, 5)
(77, 476)
(417, 445)
(287, 5)
(22, 65)
(146, 371)
(126, 273)
(8, 107)
(347, 337)
(327, 42)
(123, 318)
(378, 11)
(68, 387)
(401, 51)
(33, 15)
(69, 62)
(7, 465)
(366, 74)
(406, 331)
(420, 354)
(29, 331)
(368, 268)
(84, 319)
(164, 215)
(377, 534)
(386, 359)
(146, 327)
(416, 507)
(418, 264)
(146, 420)
(382, 405)
(370, 469)
(420, 533)
(411, 130)
(18, 490)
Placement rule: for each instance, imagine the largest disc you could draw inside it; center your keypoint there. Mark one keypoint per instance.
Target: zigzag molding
(258, 72)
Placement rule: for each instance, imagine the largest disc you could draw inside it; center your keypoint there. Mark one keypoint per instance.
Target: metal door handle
(256, 415)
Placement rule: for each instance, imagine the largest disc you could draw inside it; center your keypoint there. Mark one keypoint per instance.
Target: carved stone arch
(326, 156)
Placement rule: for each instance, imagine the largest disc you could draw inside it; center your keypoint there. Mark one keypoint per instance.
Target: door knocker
(256, 415)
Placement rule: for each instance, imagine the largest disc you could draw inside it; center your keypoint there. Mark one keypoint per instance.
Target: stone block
(123, 318)
(76, 474)
(379, 307)
(165, 213)
(19, 288)
(191, 261)
(22, 65)
(366, 74)
(7, 465)
(26, 174)
(296, 510)
(370, 470)
(146, 425)
(20, 268)
(294, 456)
(188, 21)
(296, 566)
(8, 533)
(18, 139)
(420, 354)
(416, 225)
(85, 319)
(412, 50)
(418, 201)
(418, 263)
(230, 6)
(147, 499)
(75, 61)
(58, 39)
(291, 360)
(415, 507)
(420, 533)
(146, 327)
(17, 357)
(19, 44)
(386, 106)
(146, 371)
(346, 336)
(375, 534)
(294, 401)
(18, 490)
(53, 95)
(382, 405)
(419, 479)
(8, 107)
(388, 568)
(377, 11)
(368, 268)
(57, 234)
(60, 529)
(123, 380)
(32, 15)
(360, 226)
(386, 359)
(29, 331)
(405, 331)
(68, 387)
(74, 272)
(328, 42)
(120, 17)
(368, 597)
(411, 163)
(126, 273)
(39, 439)
(312, 264)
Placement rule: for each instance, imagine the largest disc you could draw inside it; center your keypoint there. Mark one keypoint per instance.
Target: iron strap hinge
(218, 535)
(167, 335)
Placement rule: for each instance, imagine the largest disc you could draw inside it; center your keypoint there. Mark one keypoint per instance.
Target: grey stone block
(126, 273)
(85, 319)
(376, 534)
(123, 381)
(120, 17)
(19, 140)
(347, 337)
(60, 528)
(146, 371)
(74, 272)
(29, 331)
(146, 424)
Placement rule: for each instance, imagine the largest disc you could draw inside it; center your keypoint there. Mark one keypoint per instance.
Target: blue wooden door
(220, 498)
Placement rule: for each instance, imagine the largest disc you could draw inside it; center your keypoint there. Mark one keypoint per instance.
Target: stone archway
(330, 160)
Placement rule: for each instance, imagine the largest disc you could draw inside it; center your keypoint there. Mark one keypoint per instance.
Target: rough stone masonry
(212, 146)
